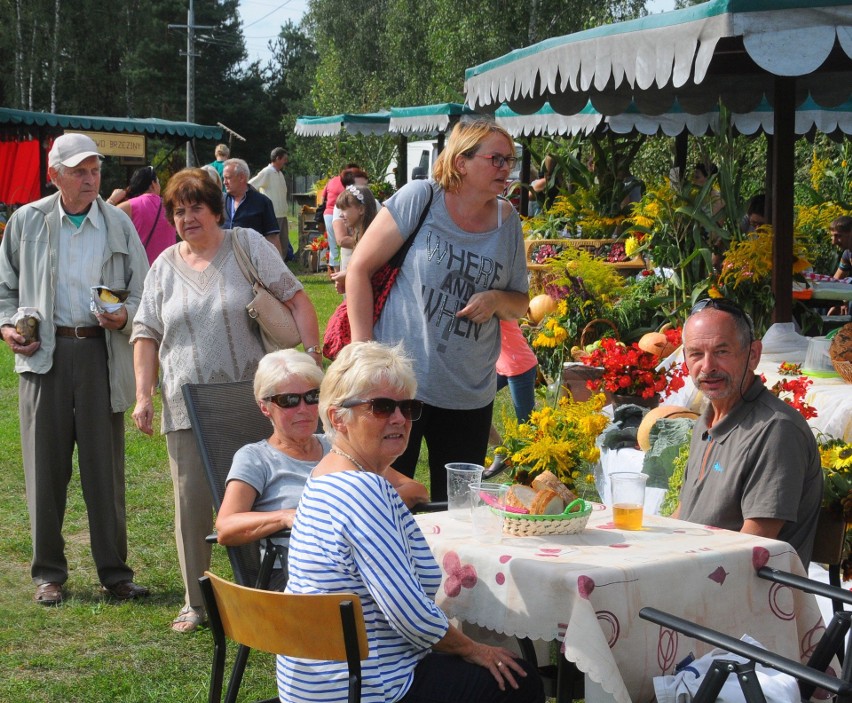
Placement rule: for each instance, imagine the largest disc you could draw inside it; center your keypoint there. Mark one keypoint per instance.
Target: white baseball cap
(72, 149)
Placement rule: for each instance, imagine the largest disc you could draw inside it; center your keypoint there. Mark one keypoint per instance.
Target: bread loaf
(520, 497)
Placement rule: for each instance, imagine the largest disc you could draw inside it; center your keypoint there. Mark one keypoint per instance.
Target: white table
(586, 591)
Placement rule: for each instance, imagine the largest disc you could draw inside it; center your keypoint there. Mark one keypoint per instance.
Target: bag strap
(154, 226)
(397, 259)
(243, 259)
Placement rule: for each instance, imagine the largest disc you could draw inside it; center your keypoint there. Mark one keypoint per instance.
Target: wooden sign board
(117, 143)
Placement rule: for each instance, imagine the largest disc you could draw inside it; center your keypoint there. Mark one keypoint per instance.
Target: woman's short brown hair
(189, 186)
(464, 141)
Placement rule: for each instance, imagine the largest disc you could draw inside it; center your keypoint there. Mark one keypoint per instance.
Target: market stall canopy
(728, 49)
(367, 123)
(426, 119)
(734, 51)
(150, 125)
(809, 116)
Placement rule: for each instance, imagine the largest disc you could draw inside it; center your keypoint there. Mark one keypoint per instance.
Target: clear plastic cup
(628, 499)
(459, 478)
(487, 501)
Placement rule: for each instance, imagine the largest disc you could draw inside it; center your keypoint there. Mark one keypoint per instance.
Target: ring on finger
(499, 664)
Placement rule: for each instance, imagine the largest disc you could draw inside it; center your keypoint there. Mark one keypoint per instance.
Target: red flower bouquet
(630, 371)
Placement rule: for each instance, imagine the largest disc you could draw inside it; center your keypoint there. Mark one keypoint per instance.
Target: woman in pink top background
(144, 206)
(332, 189)
(517, 367)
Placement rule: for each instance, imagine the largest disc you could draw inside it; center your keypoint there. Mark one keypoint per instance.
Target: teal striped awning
(150, 125)
(368, 123)
(426, 119)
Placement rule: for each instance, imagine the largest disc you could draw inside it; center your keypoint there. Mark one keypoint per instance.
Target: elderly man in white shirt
(271, 182)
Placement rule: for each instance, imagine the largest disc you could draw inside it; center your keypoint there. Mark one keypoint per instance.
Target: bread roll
(547, 502)
(520, 497)
(547, 479)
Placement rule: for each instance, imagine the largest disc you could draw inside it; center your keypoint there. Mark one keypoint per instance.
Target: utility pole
(190, 27)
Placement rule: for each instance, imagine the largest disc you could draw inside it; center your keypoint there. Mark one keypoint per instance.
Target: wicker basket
(587, 330)
(565, 523)
(844, 368)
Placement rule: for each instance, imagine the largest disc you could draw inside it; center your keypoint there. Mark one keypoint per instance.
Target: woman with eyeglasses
(266, 478)
(353, 534)
(144, 206)
(464, 273)
(192, 323)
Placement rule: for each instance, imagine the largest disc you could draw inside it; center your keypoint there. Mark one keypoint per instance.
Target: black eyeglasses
(291, 400)
(725, 306)
(498, 160)
(384, 407)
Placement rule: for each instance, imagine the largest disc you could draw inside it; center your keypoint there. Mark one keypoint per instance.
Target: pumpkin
(656, 343)
(540, 306)
(643, 434)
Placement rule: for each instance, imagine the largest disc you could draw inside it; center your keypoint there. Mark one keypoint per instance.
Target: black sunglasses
(291, 400)
(385, 407)
(725, 306)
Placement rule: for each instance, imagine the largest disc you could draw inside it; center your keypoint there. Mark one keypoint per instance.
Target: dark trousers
(451, 435)
(69, 405)
(443, 678)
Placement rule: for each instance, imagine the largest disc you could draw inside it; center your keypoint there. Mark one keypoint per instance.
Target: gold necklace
(335, 450)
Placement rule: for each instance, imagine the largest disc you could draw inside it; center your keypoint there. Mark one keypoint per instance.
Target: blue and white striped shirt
(353, 533)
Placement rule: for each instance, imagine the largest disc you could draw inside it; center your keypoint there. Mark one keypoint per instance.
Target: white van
(422, 155)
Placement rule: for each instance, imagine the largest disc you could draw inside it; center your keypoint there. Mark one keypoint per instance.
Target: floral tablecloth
(586, 590)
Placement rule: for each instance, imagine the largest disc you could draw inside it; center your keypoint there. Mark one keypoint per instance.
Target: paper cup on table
(628, 499)
(459, 478)
(487, 501)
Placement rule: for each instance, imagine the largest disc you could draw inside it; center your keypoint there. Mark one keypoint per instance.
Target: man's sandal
(189, 619)
(48, 594)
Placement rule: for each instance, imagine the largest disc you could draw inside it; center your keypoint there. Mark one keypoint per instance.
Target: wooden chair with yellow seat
(284, 623)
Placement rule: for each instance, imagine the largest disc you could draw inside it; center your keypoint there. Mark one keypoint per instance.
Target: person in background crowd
(195, 299)
(352, 533)
(332, 189)
(465, 271)
(222, 153)
(271, 182)
(753, 466)
(266, 478)
(246, 207)
(358, 208)
(142, 203)
(755, 213)
(214, 176)
(841, 237)
(76, 379)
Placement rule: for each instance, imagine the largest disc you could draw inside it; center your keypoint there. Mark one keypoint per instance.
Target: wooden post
(782, 198)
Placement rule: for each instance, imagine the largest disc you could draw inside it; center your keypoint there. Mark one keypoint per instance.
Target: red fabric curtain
(19, 172)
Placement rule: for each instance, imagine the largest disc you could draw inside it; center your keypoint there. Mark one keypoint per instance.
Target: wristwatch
(313, 350)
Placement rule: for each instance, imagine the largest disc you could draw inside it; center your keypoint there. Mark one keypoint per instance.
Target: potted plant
(633, 375)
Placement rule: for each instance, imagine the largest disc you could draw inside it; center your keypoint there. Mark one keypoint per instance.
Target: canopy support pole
(681, 148)
(402, 162)
(782, 198)
(526, 163)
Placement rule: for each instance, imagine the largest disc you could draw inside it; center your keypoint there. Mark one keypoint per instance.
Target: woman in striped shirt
(352, 533)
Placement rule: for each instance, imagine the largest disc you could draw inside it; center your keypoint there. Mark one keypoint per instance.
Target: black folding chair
(809, 678)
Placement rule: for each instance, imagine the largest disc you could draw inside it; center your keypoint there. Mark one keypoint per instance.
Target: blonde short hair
(357, 371)
(279, 366)
(222, 150)
(464, 140)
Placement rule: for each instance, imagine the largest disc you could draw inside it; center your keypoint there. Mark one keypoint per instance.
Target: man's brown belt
(80, 332)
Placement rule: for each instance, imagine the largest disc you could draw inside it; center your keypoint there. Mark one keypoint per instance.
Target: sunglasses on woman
(383, 408)
(291, 400)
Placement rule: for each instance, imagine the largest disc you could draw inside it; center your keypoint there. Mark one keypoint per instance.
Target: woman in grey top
(266, 478)
(192, 321)
(464, 273)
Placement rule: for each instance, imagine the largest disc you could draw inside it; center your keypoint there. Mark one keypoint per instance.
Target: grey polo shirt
(760, 461)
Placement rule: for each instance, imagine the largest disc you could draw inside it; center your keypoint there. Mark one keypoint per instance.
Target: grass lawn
(91, 649)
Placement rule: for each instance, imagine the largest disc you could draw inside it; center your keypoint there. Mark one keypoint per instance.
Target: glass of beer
(628, 499)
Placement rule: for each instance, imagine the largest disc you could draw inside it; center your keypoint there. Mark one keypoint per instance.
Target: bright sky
(262, 20)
